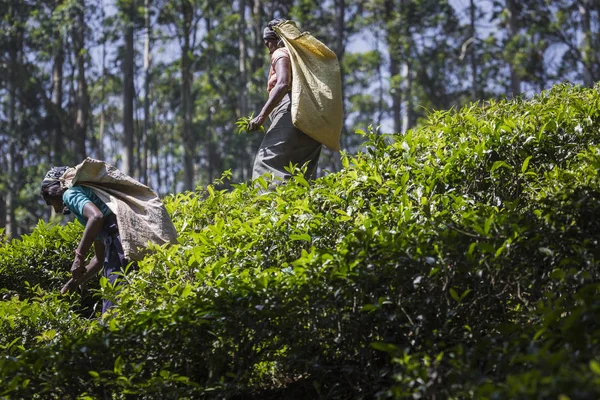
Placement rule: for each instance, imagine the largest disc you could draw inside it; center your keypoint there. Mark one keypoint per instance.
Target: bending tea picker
(120, 215)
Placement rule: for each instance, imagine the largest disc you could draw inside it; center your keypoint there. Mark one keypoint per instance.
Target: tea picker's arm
(91, 269)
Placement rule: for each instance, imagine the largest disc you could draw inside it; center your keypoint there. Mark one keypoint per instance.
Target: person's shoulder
(74, 191)
(279, 53)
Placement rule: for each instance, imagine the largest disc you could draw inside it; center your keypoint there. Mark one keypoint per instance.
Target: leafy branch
(243, 124)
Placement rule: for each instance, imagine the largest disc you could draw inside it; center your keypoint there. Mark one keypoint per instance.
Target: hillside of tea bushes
(457, 261)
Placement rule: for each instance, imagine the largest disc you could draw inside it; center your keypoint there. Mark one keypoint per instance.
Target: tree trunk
(11, 86)
(186, 98)
(102, 88)
(390, 16)
(128, 94)
(586, 43)
(340, 51)
(242, 61)
(473, 32)
(57, 98)
(2, 216)
(258, 24)
(256, 61)
(155, 140)
(242, 76)
(340, 15)
(144, 141)
(82, 94)
(513, 30)
(407, 108)
(406, 98)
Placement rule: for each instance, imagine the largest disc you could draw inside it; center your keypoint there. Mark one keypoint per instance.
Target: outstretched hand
(256, 122)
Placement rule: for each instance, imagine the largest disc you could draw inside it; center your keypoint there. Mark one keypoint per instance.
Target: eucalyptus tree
(422, 47)
(27, 124)
(143, 148)
(576, 26)
(536, 33)
(82, 97)
(58, 60)
(128, 14)
(511, 12)
(182, 17)
(12, 23)
(590, 41)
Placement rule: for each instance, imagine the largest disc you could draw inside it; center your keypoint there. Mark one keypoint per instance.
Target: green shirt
(77, 197)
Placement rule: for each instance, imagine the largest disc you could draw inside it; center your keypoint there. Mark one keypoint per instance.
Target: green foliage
(41, 258)
(243, 122)
(459, 260)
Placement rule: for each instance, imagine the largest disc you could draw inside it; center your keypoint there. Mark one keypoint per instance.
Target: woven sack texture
(316, 85)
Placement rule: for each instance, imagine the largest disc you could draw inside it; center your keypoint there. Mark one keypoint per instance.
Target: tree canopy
(155, 87)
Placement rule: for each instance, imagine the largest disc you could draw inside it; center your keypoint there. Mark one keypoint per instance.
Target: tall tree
(182, 18)
(473, 53)
(242, 59)
(512, 30)
(103, 40)
(82, 99)
(589, 53)
(391, 16)
(128, 11)
(144, 142)
(57, 95)
(187, 14)
(14, 43)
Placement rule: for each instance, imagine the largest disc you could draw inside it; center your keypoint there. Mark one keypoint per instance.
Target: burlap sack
(316, 85)
(141, 216)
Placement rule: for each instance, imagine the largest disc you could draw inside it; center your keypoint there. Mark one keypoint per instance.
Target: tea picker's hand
(256, 123)
(77, 269)
(71, 285)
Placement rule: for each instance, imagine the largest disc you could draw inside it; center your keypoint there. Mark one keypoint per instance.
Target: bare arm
(95, 220)
(90, 270)
(284, 80)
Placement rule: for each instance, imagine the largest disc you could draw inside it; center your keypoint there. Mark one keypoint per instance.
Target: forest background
(155, 86)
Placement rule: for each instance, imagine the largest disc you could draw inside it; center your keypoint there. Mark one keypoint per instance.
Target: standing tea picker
(304, 104)
(120, 215)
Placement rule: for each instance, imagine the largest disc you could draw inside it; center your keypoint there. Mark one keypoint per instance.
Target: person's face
(271, 45)
(56, 203)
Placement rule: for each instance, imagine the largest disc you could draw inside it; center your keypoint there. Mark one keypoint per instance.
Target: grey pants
(284, 144)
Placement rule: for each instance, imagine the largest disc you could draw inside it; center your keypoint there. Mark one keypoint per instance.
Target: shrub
(458, 260)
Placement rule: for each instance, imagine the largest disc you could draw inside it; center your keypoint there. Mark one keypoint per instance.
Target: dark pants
(114, 257)
(284, 144)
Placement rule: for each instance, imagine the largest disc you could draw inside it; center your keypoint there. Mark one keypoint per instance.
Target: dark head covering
(51, 185)
(268, 32)
(52, 177)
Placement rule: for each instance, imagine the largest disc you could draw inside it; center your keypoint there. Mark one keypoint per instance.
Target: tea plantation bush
(457, 261)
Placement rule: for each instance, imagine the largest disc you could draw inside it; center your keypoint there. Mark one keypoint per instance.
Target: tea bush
(459, 260)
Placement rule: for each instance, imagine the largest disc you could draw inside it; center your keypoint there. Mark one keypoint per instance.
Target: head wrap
(268, 32)
(53, 176)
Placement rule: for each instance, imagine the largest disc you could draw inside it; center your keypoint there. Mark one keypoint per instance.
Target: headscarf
(53, 176)
(268, 32)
